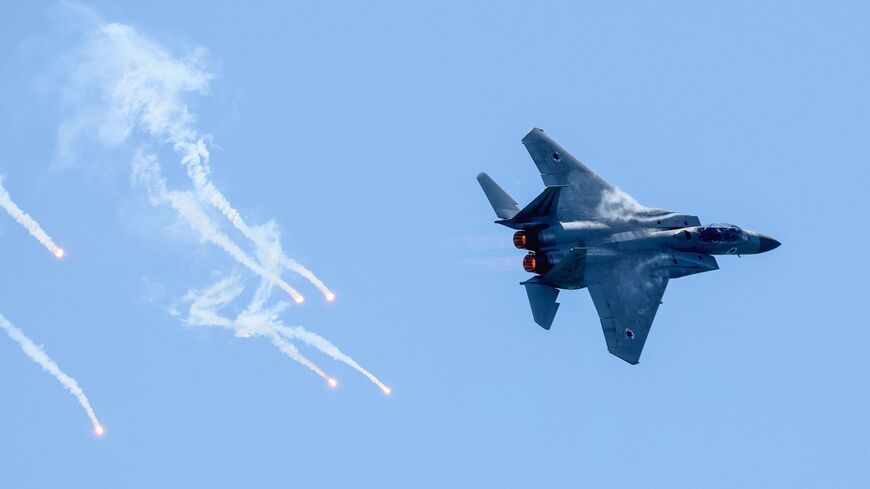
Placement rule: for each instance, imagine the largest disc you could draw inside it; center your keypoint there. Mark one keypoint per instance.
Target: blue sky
(359, 129)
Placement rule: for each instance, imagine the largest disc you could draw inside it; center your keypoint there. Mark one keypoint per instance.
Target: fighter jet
(581, 232)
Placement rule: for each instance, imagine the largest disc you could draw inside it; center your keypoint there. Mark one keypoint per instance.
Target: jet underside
(581, 232)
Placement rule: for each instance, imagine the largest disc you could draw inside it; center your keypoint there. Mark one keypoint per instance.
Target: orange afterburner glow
(330, 296)
(332, 382)
(99, 430)
(58, 252)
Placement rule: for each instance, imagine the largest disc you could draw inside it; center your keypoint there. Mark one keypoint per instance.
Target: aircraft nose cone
(767, 243)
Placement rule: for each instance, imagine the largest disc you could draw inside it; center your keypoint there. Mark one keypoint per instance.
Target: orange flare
(99, 430)
(332, 382)
(58, 252)
(388, 391)
(330, 296)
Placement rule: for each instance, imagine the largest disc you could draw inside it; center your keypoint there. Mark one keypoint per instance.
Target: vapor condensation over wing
(38, 355)
(28, 222)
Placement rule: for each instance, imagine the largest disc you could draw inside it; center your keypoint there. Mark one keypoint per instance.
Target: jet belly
(582, 232)
(644, 239)
(565, 235)
(558, 251)
(666, 251)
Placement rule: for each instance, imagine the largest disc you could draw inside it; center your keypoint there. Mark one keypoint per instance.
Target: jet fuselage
(715, 239)
(582, 232)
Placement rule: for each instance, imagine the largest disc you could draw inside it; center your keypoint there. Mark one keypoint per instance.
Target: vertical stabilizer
(542, 298)
(504, 206)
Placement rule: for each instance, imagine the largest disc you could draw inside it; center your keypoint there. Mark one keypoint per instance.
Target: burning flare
(137, 84)
(28, 222)
(38, 355)
(326, 347)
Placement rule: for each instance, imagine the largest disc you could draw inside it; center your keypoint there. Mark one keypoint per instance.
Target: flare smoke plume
(146, 170)
(260, 320)
(322, 344)
(126, 82)
(204, 312)
(144, 85)
(38, 355)
(28, 222)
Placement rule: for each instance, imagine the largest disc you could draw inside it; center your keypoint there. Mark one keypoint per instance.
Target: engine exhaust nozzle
(520, 239)
(529, 263)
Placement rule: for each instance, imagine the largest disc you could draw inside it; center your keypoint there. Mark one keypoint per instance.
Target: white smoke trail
(322, 344)
(147, 171)
(207, 191)
(28, 222)
(144, 85)
(38, 355)
(257, 316)
(204, 312)
(291, 351)
(259, 320)
(126, 81)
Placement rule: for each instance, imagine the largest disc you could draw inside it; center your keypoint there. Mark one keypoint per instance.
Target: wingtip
(622, 355)
(534, 134)
(482, 175)
(629, 359)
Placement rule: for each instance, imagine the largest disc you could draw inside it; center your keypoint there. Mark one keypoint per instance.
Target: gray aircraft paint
(581, 232)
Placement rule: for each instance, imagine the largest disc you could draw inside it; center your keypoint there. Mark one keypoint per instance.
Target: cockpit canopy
(715, 233)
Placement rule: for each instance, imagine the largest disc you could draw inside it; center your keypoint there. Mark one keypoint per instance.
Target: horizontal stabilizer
(505, 207)
(542, 209)
(542, 298)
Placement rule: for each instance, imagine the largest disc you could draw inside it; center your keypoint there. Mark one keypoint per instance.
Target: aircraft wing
(584, 191)
(626, 291)
(585, 195)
